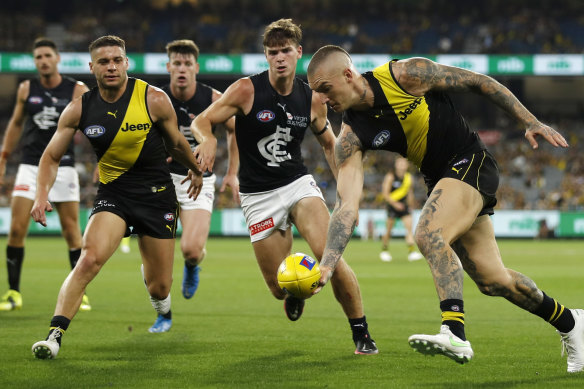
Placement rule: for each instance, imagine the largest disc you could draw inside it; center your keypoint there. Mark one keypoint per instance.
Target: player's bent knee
(87, 267)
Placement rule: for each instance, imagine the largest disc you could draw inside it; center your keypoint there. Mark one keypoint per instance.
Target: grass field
(234, 334)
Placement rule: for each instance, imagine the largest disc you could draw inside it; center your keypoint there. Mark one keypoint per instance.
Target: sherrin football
(298, 275)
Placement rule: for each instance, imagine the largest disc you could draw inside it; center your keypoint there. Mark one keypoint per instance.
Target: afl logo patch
(381, 138)
(94, 131)
(169, 217)
(35, 99)
(265, 116)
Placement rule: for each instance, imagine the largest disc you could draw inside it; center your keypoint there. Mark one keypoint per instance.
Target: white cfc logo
(47, 118)
(273, 147)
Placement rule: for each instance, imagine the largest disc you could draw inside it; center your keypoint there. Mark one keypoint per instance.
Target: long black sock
(555, 314)
(60, 324)
(74, 257)
(14, 259)
(359, 328)
(453, 316)
(168, 315)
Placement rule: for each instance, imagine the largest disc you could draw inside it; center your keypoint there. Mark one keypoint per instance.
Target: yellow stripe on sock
(57, 328)
(555, 317)
(453, 316)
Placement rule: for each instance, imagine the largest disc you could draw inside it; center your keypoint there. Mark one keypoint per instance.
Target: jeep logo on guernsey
(265, 116)
(136, 127)
(307, 262)
(261, 226)
(381, 138)
(404, 114)
(94, 131)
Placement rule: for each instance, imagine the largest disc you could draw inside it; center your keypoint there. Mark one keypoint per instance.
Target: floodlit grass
(234, 334)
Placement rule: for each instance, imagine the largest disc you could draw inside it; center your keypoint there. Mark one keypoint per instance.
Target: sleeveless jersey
(128, 145)
(427, 130)
(269, 137)
(44, 107)
(186, 111)
(400, 187)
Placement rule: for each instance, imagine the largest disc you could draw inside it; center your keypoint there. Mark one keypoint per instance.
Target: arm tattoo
(428, 75)
(345, 146)
(340, 230)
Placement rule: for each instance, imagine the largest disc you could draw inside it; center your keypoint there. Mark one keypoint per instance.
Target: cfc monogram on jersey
(271, 135)
(43, 107)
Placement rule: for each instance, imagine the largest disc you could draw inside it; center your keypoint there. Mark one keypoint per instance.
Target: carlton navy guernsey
(270, 135)
(44, 107)
(186, 111)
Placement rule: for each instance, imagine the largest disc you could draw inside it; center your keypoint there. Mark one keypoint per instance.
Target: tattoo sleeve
(346, 145)
(426, 75)
(340, 230)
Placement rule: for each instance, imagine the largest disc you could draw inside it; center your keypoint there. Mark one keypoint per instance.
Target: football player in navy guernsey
(402, 106)
(40, 101)
(273, 110)
(190, 97)
(131, 126)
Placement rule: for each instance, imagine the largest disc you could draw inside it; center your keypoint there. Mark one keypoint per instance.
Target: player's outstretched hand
(196, 184)
(549, 134)
(205, 154)
(325, 275)
(38, 211)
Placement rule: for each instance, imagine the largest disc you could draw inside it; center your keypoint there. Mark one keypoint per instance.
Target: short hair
(281, 31)
(107, 40)
(183, 46)
(44, 42)
(322, 54)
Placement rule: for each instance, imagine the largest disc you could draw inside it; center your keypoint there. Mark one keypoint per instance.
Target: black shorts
(480, 171)
(157, 217)
(395, 214)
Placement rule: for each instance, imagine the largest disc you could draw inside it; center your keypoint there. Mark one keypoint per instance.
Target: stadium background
(535, 48)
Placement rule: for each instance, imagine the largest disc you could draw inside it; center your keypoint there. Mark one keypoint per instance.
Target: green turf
(234, 334)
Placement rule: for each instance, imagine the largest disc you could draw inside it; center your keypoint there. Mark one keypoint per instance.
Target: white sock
(161, 306)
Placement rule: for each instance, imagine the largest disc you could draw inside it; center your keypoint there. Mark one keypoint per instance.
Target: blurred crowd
(361, 26)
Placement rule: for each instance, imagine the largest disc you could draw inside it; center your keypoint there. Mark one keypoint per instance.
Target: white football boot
(385, 256)
(47, 349)
(445, 343)
(573, 342)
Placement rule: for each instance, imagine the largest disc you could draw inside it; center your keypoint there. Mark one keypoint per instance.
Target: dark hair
(281, 31)
(44, 42)
(107, 40)
(183, 46)
(322, 54)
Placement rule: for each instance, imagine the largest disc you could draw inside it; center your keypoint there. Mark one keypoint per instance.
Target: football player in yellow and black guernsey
(403, 106)
(398, 192)
(128, 123)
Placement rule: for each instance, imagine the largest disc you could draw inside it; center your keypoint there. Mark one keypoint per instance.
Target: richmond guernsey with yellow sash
(129, 146)
(427, 130)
